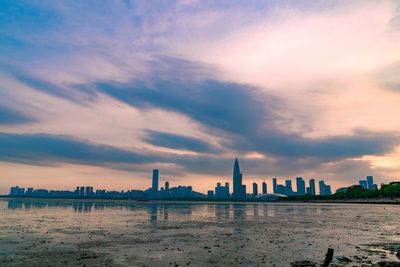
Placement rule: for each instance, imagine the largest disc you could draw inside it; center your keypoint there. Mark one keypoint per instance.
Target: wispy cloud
(191, 84)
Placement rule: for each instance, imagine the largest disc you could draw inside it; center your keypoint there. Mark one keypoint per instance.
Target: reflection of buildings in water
(82, 206)
(159, 210)
(239, 235)
(222, 212)
(14, 204)
(153, 209)
(239, 212)
(256, 208)
(270, 210)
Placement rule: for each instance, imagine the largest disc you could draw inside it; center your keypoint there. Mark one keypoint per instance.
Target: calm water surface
(116, 233)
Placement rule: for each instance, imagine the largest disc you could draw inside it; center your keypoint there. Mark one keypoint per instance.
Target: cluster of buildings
(87, 192)
(278, 190)
(79, 192)
(221, 191)
(368, 183)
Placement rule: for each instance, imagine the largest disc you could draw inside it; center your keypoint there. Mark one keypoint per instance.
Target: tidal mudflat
(35, 232)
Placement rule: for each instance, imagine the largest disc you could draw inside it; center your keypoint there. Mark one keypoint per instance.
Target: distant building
(275, 186)
(255, 189)
(370, 183)
(288, 188)
(154, 187)
(222, 192)
(17, 191)
(89, 191)
(264, 188)
(166, 186)
(210, 194)
(301, 186)
(239, 190)
(311, 188)
(324, 190)
(82, 191)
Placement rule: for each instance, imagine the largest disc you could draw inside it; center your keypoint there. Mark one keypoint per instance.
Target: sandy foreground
(116, 233)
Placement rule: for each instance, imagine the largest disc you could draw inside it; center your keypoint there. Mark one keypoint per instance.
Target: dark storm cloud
(9, 116)
(175, 141)
(47, 150)
(41, 149)
(223, 106)
(361, 143)
(246, 118)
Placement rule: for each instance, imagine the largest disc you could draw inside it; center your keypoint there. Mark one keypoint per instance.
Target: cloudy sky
(101, 92)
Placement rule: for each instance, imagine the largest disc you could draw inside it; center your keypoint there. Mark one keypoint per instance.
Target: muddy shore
(112, 233)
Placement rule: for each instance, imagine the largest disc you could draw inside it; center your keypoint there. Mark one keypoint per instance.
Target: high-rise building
(255, 189)
(244, 192)
(82, 191)
(237, 181)
(311, 188)
(222, 192)
(370, 183)
(301, 186)
(274, 186)
(166, 186)
(89, 191)
(154, 187)
(288, 188)
(324, 190)
(264, 188)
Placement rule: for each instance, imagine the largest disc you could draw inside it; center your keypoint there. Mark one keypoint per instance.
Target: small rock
(303, 264)
(343, 259)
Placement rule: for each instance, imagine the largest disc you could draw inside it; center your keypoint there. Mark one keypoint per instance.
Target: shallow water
(103, 233)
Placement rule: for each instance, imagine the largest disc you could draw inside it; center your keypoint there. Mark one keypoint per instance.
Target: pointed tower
(237, 180)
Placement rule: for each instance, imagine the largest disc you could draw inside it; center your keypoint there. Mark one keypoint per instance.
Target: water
(103, 233)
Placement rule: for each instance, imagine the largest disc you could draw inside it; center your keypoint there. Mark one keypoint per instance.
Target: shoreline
(375, 201)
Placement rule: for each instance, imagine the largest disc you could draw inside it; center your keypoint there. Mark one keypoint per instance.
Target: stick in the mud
(328, 257)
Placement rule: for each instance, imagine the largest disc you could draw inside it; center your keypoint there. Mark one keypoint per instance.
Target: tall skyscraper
(370, 183)
(237, 181)
(264, 188)
(312, 187)
(324, 189)
(288, 188)
(82, 191)
(255, 189)
(227, 187)
(166, 185)
(154, 187)
(301, 186)
(274, 185)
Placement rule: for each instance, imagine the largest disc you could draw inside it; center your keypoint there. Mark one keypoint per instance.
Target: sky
(101, 92)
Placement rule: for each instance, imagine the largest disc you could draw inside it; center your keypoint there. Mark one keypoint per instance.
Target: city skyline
(101, 93)
(239, 192)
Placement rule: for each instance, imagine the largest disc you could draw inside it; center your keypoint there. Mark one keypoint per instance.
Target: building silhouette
(301, 186)
(239, 190)
(154, 187)
(288, 190)
(222, 192)
(324, 189)
(274, 186)
(255, 189)
(311, 188)
(264, 188)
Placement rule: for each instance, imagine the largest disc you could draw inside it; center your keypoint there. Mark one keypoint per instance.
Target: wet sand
(121, 233)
